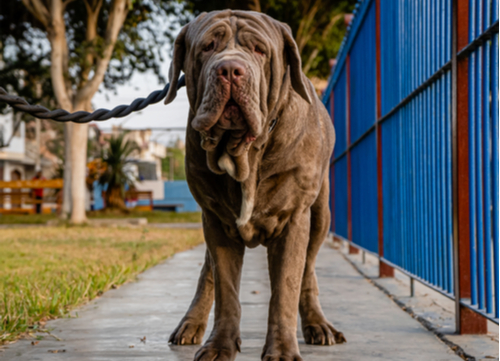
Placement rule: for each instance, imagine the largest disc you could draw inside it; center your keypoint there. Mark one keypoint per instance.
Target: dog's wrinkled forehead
(233, 29)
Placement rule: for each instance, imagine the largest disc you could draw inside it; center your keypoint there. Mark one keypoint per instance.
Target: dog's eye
(209, 47)
(258, 50)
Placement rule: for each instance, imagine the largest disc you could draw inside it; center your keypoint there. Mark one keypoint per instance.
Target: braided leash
(81, 117)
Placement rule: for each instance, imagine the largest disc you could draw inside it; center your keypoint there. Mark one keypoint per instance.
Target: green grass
(46, 272)
(26, 218)
(153, 217)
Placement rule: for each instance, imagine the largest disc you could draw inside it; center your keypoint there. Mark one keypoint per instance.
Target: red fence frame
(468, 321)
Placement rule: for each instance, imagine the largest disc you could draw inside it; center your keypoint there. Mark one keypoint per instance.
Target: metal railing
(414, 173)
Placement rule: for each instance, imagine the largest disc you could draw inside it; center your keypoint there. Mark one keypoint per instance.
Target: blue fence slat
(340, 197)
(487, 171)
(433, 179)
(495, 160)
(472, 158)
(449, 197)
(340, 113)
(421, 196)
(413, 205)
(427, 186)
(494, 12)
(449, 180)
(479, 181)
(389, 188)
(443, 185)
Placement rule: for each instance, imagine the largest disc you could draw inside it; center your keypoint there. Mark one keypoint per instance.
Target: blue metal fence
(394, 111)
(483, 157)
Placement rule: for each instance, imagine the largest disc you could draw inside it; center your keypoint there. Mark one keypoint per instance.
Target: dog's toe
(322, 334)
(223, 350)
(187, 333)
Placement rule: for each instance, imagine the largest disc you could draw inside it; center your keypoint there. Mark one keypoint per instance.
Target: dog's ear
(177, 64)
(292, 53)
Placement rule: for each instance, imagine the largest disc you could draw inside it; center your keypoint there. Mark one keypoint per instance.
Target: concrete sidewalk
(110, 327)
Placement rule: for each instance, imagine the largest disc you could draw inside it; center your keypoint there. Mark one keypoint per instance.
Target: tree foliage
(25, 51)
(318, 25)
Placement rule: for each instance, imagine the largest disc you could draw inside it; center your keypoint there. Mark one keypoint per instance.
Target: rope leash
(81, 117)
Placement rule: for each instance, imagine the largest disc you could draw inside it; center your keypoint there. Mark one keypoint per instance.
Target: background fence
(414, 174)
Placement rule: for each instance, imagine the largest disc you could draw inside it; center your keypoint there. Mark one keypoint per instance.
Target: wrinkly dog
(257, 156)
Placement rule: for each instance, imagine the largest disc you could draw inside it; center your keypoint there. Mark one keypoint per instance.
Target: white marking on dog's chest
(247, 203)
(247, 197)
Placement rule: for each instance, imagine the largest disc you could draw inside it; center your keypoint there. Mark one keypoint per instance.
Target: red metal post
(352, 249)
(470, 321)
(384, 269)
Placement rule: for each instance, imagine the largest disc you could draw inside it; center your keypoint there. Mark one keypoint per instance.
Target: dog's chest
(266, 211)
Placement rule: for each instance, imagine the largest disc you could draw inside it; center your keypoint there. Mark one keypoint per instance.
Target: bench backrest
(34, 183)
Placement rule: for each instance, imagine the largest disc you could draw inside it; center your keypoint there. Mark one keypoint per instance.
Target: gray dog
(257, 155)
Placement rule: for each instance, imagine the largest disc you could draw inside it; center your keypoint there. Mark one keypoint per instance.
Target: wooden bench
(168, 206)
(135, 195)
(139, 196)
(17, 197)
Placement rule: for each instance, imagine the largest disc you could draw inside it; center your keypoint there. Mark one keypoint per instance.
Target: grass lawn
(46, 272)
(153, 217)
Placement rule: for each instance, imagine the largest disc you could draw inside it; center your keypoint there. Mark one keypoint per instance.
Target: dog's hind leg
(315, 327)
(193, 325)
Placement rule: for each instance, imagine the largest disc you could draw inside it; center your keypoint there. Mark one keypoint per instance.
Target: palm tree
(117, 176)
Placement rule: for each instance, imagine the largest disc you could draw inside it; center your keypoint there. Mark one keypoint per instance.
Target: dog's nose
(231, 70)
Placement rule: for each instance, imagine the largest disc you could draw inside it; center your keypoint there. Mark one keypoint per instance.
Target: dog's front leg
(227, 255)
(286, 257)
(192, 326)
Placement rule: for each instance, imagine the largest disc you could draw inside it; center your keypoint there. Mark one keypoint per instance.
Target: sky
(157, 115)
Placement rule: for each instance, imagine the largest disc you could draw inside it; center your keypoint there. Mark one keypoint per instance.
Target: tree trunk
(254, 5)
(78, 172)
(56, 34)
(114, 198)
(66, 206)
(79, 136)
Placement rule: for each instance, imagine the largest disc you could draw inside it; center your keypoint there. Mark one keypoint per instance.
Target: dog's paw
(322, 333)
(224, 349)
(281, 348)
(188, 332)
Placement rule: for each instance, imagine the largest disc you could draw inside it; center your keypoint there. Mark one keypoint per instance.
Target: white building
(14, 163)
(148, 158)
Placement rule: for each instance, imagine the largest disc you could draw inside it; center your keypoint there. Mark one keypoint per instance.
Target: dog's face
(236, 63)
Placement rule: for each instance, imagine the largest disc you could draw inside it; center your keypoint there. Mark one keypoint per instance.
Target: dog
(258, 146)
